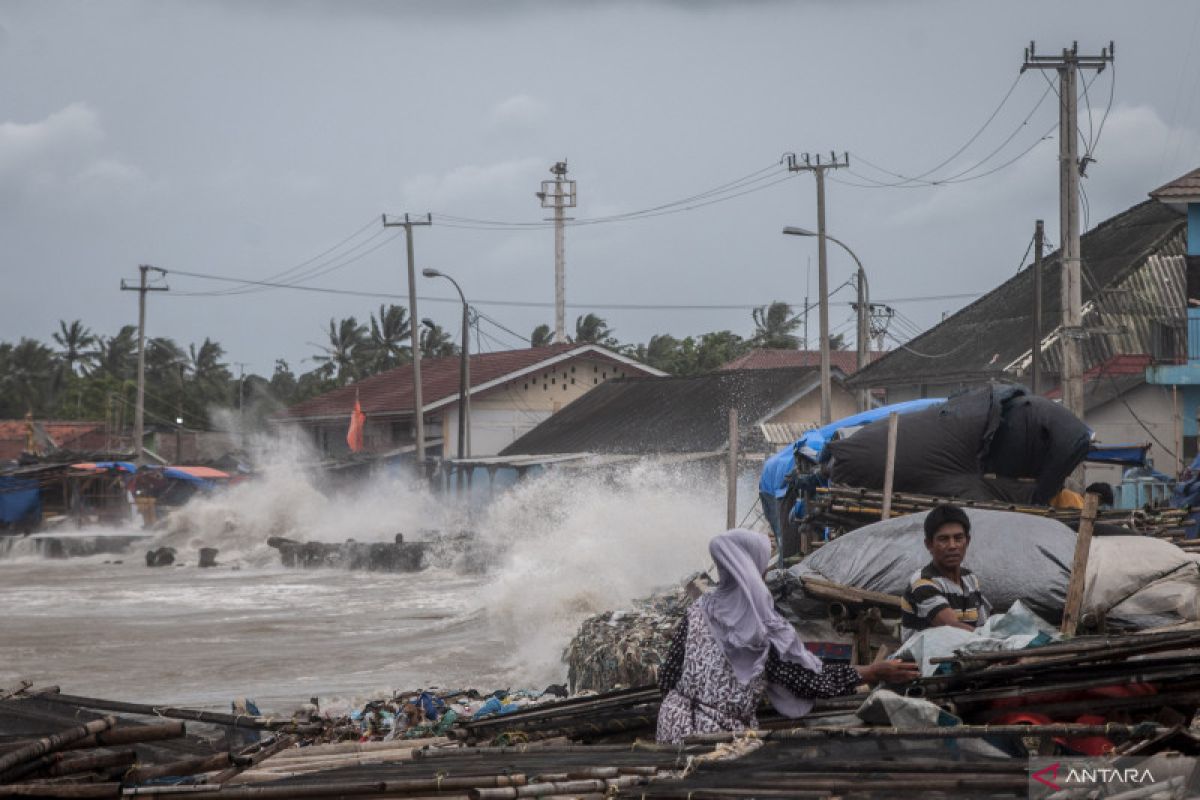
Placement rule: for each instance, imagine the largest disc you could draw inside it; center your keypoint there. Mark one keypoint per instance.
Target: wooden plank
(1083, 547)
(889, 473)
(839, 593)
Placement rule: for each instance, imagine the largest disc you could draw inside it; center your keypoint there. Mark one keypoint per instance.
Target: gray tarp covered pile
(1133, 581)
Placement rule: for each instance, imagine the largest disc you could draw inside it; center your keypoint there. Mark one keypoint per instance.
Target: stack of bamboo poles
(629, 712)
(849, 508)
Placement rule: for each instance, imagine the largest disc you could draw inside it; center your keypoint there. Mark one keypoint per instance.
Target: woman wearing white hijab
(733, 646)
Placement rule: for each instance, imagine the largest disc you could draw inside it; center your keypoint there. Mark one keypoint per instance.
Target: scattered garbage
(625, 648)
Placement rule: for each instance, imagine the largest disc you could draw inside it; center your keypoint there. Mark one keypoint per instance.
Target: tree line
(80, 374)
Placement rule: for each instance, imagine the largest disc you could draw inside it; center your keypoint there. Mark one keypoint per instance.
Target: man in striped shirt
(944, 592)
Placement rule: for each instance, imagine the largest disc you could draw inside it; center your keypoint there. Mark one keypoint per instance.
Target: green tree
(773, 326)
(837, 341)
(389, 333)
(116, 356)
(75, 344)
(337, 358)
(542, 336)
(591, 329)
(26, 374)
(436, 342)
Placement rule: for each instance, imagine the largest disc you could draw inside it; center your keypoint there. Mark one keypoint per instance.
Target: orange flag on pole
(354, 436)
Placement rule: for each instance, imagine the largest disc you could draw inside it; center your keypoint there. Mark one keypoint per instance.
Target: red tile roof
(1118, 366)
(845, 360)
(391, 392)
(77, 436)
(1179, 189)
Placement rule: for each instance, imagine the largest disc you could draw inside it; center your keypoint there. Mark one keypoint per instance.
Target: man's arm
(948, 618)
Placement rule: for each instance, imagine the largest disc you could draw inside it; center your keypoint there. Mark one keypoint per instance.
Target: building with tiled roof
(677, 416)
(511, 392)
(844, 360)
(42, 437)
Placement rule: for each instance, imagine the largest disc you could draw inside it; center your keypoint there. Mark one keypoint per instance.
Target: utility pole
(418, 401)
(1039, 244)
(559, 194)
(1068, 66)
(140, 408)
(818, 169)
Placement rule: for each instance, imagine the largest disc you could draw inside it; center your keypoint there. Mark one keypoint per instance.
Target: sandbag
(1134, 582)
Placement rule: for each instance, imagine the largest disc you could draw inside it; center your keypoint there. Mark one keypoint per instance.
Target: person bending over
(944, 592)
(732, 647)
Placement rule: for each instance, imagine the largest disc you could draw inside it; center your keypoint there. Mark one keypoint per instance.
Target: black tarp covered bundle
(991, 443)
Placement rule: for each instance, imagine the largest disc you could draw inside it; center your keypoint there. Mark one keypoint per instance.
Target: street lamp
(864, 306)
(464, 374)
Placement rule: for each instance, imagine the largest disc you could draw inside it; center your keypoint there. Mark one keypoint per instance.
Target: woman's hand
(893, 671)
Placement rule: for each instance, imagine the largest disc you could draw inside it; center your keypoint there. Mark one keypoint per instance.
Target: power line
(279, 276)
(725, 191)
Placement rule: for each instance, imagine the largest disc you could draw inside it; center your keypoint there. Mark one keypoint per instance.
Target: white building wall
(1118, 423)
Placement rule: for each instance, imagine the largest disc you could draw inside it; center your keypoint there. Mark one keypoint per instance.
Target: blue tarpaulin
(812, 444)
(1133, 454)
(20, 500)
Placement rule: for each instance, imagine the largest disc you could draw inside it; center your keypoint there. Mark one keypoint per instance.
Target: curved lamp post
(464, 374)
(864, 305)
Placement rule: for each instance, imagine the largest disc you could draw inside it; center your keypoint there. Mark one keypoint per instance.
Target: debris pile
(618, 649)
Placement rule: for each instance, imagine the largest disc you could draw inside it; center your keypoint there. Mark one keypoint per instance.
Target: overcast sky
(243, 138)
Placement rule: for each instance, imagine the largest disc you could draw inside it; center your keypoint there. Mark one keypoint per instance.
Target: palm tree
(773, 326)
(75, 339)
(26, 371)
(541, 336)
(337, 359)
(591, 329)
(388, 333)
(436, 342)
(116, 356)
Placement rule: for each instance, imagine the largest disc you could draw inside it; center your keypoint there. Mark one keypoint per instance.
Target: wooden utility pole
(1039, 243)
(139, 408)
(559, 194)
(414, 336)
(731, 488)
(1068, 66)
(813, 164)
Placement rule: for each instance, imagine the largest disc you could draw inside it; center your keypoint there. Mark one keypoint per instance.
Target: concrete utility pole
(1068, 66)
(139, 409)
(814, 165)
(1039, 244)
(414, 336)
(559, 194)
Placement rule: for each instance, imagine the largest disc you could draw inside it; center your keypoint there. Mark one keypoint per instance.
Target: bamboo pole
(1083, 546)
(62, 790)
(889, 472)
(951, 732)
(266, 751)
(195, 715)
(131, 734)
(58, 765)
(51, 743)
(181, 768)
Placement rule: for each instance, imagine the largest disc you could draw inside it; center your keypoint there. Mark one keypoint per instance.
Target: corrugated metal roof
(845, 360)
(1182, 188)
(1133, 285)
(391, 392)
(666, 415)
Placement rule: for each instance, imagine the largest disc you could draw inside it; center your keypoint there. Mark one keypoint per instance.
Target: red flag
(354, 436)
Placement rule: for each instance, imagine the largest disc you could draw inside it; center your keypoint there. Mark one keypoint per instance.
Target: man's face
(949, 546)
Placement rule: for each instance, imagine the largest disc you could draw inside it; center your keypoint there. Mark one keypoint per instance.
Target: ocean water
(563, 546)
